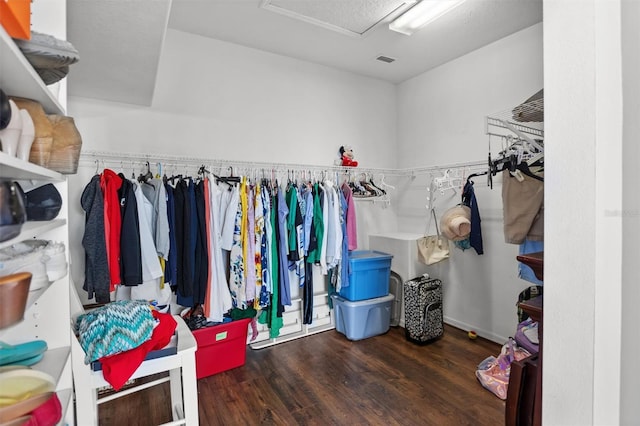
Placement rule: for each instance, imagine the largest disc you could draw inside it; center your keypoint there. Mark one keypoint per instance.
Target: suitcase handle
(430, 307)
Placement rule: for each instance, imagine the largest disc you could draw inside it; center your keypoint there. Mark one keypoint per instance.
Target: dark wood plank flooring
(326, 379)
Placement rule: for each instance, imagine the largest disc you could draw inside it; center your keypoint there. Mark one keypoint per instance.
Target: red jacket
(110, 183)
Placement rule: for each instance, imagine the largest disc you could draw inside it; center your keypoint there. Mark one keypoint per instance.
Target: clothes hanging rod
(126, 158)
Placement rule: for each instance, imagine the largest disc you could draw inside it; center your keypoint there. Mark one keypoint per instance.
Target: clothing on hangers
(130, 250)
(144, 177)
(249, 243)
(201, 261)
(522, 208)
(182, 224)
(110, 183)
(96, 281)
(156, 193)
(469, 199)
(351, 227)
(237, 281)
(170, 270)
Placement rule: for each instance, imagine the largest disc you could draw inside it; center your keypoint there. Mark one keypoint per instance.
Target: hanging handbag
(433, 248)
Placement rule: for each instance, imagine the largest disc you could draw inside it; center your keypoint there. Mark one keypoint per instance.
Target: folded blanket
(113, 328)
(117, 369)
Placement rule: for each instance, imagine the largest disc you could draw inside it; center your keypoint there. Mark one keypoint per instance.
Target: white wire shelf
(101, 159)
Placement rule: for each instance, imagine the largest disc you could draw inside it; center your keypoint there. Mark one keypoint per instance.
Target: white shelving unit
(48, 315)
(33, 229)
(293, 317)
(18, 78)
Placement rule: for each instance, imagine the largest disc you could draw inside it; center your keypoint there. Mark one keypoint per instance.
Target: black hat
(43, 203)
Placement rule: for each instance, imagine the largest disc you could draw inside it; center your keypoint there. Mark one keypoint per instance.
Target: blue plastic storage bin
(369, 273)
(362, 319)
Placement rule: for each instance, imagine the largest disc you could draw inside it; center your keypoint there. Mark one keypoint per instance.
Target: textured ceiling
(120, 40)
(468, 27)
(353, 17)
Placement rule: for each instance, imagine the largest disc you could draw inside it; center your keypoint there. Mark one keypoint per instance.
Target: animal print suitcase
(423, 309)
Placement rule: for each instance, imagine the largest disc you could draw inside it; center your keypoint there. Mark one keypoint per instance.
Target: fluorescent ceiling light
(421, 14)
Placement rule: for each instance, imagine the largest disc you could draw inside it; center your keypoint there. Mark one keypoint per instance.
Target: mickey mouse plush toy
(346, 154)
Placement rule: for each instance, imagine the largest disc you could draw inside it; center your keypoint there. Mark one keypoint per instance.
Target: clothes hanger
(381, 191)
(382, 182)
(503, 163)
(230, 180)
(516, 157)
(143, 178)
(165, 179)
(122, 171)
(472, 175)
(536, 160)
(361, 186)
(470, 181)
(447, 182)
(524, 168)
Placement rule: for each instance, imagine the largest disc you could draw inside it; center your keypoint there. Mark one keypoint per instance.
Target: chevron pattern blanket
(114, 328)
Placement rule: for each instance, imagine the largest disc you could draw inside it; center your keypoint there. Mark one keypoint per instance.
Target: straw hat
(455, 223)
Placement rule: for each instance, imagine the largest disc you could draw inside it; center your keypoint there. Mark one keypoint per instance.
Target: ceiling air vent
(386, 59)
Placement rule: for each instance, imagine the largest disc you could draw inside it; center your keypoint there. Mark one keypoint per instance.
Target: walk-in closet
(304, 212)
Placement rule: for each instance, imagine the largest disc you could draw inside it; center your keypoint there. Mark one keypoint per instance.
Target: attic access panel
(353, 17)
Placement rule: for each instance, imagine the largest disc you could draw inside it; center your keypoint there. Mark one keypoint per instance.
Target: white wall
(570, 275)
(586, 269)
(217, 100)
(441, 120)
(630, 368)
(441, 112)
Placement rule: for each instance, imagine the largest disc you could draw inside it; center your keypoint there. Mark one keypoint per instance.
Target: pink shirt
(352, 231)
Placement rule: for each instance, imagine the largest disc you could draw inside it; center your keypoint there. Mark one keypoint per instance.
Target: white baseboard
(482, 333)
(463, 326)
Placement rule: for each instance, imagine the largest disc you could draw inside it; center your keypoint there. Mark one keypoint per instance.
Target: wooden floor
(326, 379)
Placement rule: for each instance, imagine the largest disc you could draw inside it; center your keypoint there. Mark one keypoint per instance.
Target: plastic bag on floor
(493, 373)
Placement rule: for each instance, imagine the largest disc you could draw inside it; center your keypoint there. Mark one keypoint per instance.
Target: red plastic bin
(221, 347)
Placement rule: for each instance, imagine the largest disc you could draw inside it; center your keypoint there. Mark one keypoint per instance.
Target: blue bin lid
(369, 254)
(353, 304)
